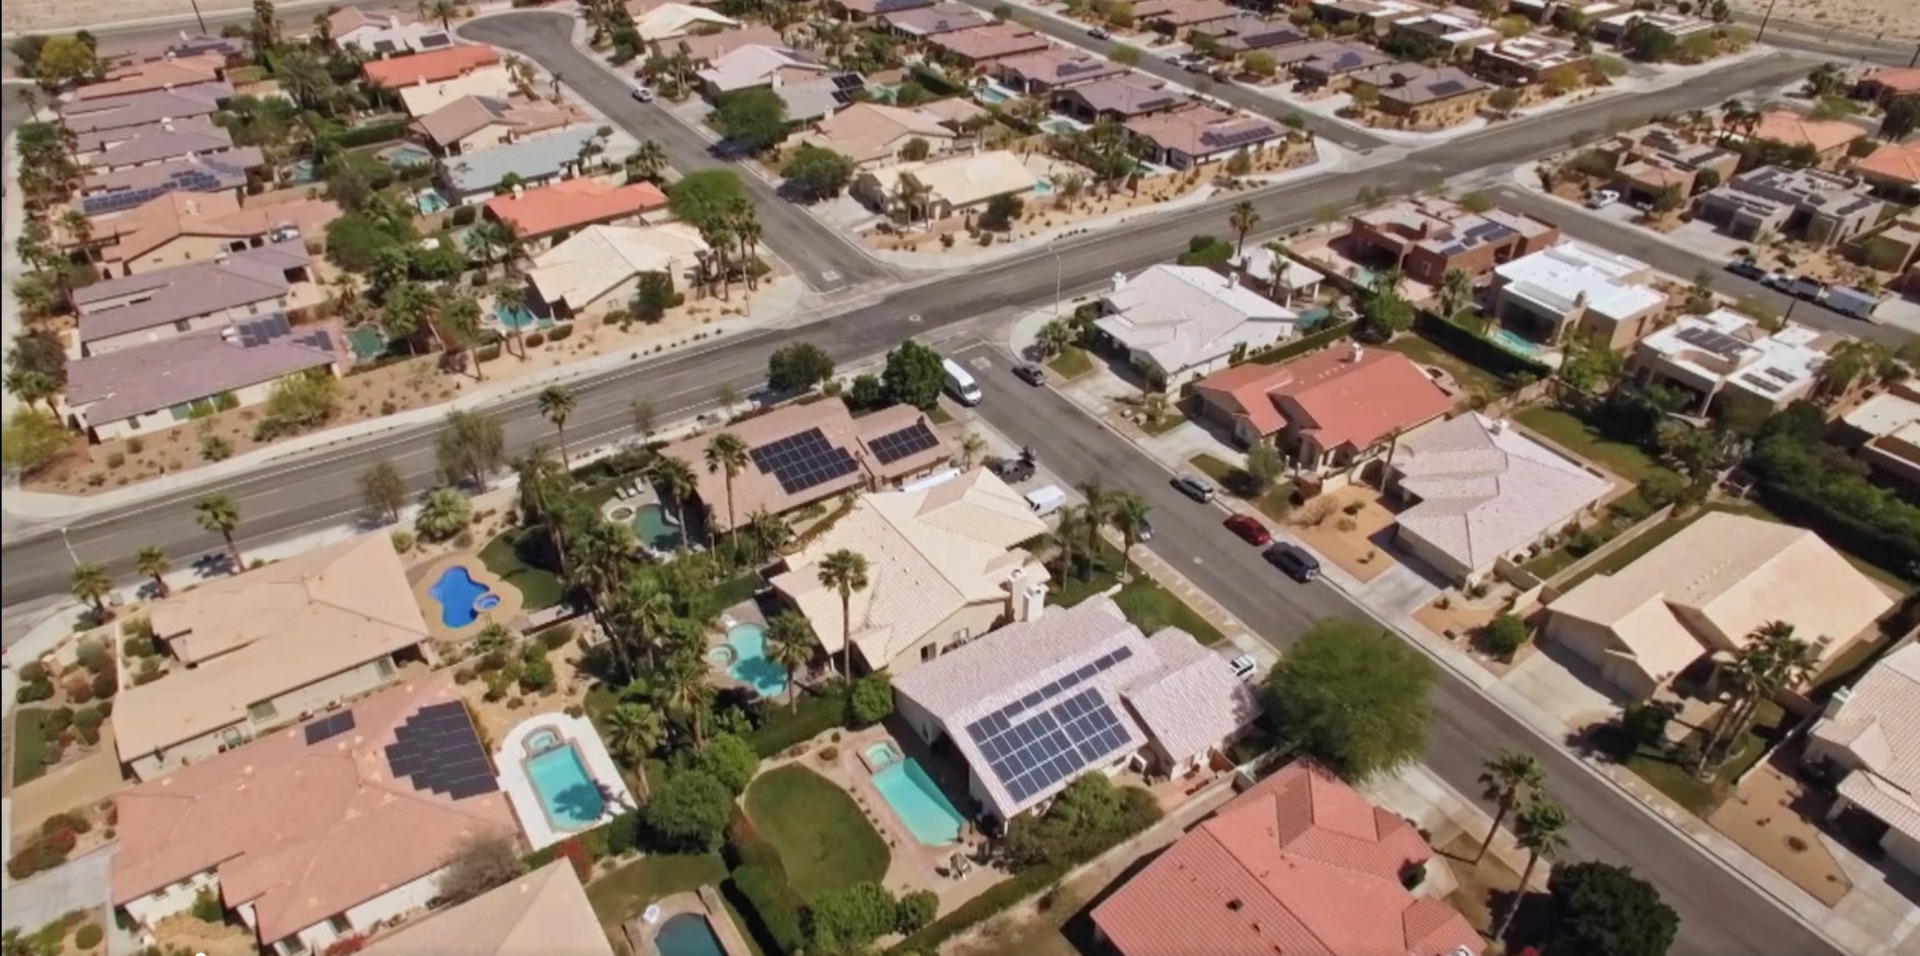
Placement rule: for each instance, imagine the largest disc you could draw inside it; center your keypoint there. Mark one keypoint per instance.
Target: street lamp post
(196, 16)
(1762, 34)
(71, 555)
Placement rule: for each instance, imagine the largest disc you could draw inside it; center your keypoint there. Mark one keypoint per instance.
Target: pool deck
(703, 902)
(505, 612)
(510, 757)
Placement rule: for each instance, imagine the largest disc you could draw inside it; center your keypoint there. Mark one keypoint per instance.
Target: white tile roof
(929, 552)
(756, 65)
(671, 20)
(1183, 316)
(597, 259)
(1194, 700)
(1555, 277)
(1485, 489)
(1886, 414)
(1879, 725)
(425, 98)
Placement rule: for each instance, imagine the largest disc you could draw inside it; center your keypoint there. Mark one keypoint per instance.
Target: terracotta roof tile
(404, 71)
(574, 203)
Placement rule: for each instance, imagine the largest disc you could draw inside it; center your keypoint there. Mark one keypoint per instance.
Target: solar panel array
(803, 461)
(434, 41)
(1239, 137)
(905, 443)
(1052, 745)
(1077, 67)
(384, 46)
(437, 750)
(1719, 343)
(260, 331)
(1488, 231)
(318, 340)
(1447, 88)
(327, 728)
(185, 180)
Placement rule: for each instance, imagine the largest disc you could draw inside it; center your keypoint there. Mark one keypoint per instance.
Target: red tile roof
(1899, 79)
(1299, 865)
(1898, 162)
(404, 71)
(1331, 395)
(574, 203)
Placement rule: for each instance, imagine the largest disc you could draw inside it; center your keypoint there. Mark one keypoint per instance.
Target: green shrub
(537, 676)
(783, 727)
(487, 353)
(916, 912)
(105, 685)
(561, 332)
(730, 760)
(623, 833)
(206, 906)
(1476, 350)
(1505, 634)
(32, 672)
(88, 717)
(136, 645)
(853, 916)
(57, 720)
(33, 691)
(872, 699)
(689, 813)
(89, 936)
(65, 821)
(464, 215)
(1310, 342)
(93, 656)
(771, 908)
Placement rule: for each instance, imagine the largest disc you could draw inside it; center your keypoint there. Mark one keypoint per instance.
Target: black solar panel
(384, 46)
(437, 750)
(848, 81)
(803, 461)
(1447, 88)
(327, 728)
(434, 41)
(905, 443)
(1052, 745)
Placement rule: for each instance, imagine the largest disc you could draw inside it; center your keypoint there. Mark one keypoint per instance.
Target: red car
(1249, 529)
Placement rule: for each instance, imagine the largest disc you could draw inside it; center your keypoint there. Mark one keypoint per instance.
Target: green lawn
(29, 745)
(1071, 364)
(622, 894)
(1586, 441)
(728, 593)
(1472, 377)
(538, 586)
(1700, 797)
(1143, 600)
(824, 840)
(1216, 468)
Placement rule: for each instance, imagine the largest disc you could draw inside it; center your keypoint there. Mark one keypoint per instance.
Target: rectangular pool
(566, 790)
(918, 802)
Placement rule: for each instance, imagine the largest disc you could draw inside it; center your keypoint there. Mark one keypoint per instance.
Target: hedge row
(816, 714)
(759, 888)
(1476, 350)
(381, 132)
(1304, 344)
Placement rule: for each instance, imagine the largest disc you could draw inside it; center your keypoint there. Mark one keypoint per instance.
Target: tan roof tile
(544, 913)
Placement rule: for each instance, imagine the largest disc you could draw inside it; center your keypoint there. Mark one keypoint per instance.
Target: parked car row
(1845, 300)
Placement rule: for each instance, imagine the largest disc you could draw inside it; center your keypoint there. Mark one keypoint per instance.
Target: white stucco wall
(170, 899)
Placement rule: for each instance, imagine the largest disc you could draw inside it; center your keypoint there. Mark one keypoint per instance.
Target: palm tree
(511, 298)
(633, 732)
(1128, 514)
(643, 612)
(1456, 291)
(32, 385)
(217, 513)
(459, 321)
(556, 403)
(1072, 524)
(1098, 509)
(845, 571)
(792, 643)
(1541, 829)
(441, 10)
(727, 453)
(676, 480)
(305, 79)
(1242, 220)
(1055, 337)
(151, 561)
(1772, 660)
(1826, 80)
(490, 240)
(648, 161)
(1281, 256)
(745, 226)
(89, 582)
(543, 486)
(969, 449)
(1504, 781)
(683, 685)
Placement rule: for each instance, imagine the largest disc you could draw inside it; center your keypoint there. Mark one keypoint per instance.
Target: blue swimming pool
(407, 154)
(750, 664)
(462, 599)
(429, 201)
(1513, 342)
(918, 802)
(656, 533)
(566, 790)
(688, 934)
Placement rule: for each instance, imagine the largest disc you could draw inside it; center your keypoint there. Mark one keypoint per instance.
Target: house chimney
(1359, 352)
(1033, 601)
(1837, 701)
(1119, 281)
(229, 334)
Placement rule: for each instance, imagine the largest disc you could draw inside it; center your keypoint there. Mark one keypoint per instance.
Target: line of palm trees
(1515, 783)
(93, 584)
(1080, 526)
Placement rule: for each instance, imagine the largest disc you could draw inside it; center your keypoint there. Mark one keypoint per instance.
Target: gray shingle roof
(189, 291)
(530, 159)
(173, 371)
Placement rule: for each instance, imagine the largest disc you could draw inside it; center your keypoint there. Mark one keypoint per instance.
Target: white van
(1046, 501)
(960, 384)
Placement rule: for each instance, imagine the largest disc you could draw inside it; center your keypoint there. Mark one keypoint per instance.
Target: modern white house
(1180, 323)
(1724, 356)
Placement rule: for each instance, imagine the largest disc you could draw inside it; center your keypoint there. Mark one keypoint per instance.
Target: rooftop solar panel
(803, 461)
(327, 728)
(437, 750)
(905, 443)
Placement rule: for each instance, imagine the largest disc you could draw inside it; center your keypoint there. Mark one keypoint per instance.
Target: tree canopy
(798, 367)
(914, 375)
(755, 119)
(705, 199)
(818, 172)
(1352, 696)
(690, 812)
(1603, 908)
(31, 439)
(730, 760)
(1089, 816)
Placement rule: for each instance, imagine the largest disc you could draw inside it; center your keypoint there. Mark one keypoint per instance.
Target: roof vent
(1234, 904)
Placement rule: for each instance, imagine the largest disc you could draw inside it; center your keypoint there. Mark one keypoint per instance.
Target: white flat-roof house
(1724, 356)
(1871, 733)
(1886, 432)
(1574, 286)
(1181, 323)
(1076, 690)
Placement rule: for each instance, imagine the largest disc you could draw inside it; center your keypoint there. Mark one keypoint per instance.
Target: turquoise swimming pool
(688, 934)
(655, 532)
(916, 799)
(429, 201)
(520, 318)
(407, 155)
(462, 599)
(559, 776)
(1515, 343)
(750, 665)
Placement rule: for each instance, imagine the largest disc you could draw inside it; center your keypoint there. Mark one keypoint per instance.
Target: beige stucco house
(1870, 734)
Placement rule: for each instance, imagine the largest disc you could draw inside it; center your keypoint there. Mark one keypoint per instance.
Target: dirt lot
(1772, 815)
(1892, 19)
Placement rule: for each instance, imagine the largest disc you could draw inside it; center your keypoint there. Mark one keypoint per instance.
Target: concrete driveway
(79, 884)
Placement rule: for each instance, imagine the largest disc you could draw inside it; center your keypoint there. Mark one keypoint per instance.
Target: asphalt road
(287, 500)
(1076, 35)
(1719, 913)
(823, 258)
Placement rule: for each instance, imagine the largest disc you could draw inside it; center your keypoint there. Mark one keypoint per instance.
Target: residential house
(1894, 170)
(1865, 736)
(472, 178)
(873, 134)
(1884, 431)
(1453, 32)
(378, 34)
(1812, 205)
(1069, 691)
(1423, 96)
(702, 49)
(1565, 12)
(1726, 359)
(83, 117)
(954, 186)
(220, 291)
(944, 567)
(1298, 863)
(437, 66)
(1574, 286)
(1481, 492)
(1119, 98)
(1329, 64)
(670, 21)
(1704, 593)
(424, 99)
(1175, 17)
(1202, 134)
(1332, 412)
(543, 913)
(1286, 280)
(1616, 27)
(752, 67)
(123, 189)
(279, 830)
(129, 392)
(597, 270)
(860, 11)
(1052, 70)
(1370, 16)
(1527, 60)
(126, 148)
(977, 47)
(181, 228)
(157, 76)
(1430, 237)
(1829, 140)
(1181, 323)
(184, 45)
(547, 214)
(918, 23)
(957, 112)
(473, 123)
(800, 454)
(1654, 159)
(1885, 84)
(1247, 32)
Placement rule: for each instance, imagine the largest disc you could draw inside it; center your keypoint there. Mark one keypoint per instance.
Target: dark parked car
(1293, 561)
(1196, 65)
(1747, 269)
(1013, 470)
(1194, 487)
(1030, 373)
(1249, 529)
